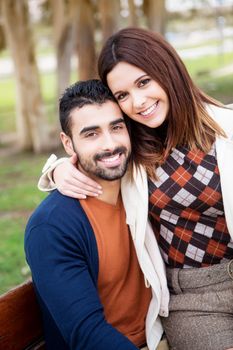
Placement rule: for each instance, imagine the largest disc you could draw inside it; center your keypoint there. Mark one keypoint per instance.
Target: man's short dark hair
(80, 94)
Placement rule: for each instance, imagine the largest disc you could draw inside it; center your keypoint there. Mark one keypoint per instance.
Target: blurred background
(47, 44)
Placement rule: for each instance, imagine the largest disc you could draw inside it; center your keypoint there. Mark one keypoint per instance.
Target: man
(84, 266)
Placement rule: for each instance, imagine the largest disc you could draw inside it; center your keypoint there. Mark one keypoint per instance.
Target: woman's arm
(62, 174)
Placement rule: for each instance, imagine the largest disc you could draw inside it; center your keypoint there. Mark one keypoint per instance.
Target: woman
(183, 139)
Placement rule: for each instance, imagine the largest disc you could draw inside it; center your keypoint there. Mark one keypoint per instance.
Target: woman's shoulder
(223, 116)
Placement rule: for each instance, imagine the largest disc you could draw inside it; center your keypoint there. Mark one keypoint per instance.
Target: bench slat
(20, 320)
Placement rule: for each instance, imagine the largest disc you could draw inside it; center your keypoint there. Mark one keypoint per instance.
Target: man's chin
(100, 172)
(111, 175)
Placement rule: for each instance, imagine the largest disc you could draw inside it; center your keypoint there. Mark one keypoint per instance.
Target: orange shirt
(121, 284)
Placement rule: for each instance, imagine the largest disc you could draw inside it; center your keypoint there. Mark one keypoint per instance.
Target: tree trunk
(155, 11)
(32, 129)
(133, 21)
(109, 17)
(84, 27)
(2, 36)
(62, 26)
(2, 39)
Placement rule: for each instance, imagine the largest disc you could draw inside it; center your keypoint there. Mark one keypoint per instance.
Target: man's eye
(144, 82)
(91, 134)
(117, 127)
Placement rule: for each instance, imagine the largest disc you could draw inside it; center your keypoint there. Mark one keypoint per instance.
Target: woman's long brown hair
(188, 122)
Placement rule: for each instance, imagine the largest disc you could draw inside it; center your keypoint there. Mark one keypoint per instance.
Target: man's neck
(111, 190)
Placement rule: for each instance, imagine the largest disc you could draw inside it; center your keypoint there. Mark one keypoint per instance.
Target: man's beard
(91, 167)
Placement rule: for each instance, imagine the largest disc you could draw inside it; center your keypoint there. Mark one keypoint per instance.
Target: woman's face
(138, 95)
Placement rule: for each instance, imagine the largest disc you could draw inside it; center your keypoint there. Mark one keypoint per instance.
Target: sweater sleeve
(46, 183)
(63, 279)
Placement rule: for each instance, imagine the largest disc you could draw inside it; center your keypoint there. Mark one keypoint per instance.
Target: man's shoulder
(57, 200)
(57, 209)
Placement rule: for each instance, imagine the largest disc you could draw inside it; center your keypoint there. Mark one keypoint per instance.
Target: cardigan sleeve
(63, 279)
(46, 183)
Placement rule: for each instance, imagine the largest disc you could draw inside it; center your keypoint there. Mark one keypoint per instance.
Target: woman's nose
(138, 100)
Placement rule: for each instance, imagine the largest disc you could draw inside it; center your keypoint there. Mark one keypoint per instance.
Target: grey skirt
(200, 308)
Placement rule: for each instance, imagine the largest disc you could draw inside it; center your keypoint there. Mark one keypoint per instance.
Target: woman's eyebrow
(135, 82)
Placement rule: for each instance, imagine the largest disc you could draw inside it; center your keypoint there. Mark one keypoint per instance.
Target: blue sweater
(61, 251)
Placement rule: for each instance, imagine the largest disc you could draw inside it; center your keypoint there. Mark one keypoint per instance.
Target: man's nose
(109, 143)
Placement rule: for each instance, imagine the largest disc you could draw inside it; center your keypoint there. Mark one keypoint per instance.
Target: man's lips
(112, 159)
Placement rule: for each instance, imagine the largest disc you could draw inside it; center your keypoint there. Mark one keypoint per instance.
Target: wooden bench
(20, 320)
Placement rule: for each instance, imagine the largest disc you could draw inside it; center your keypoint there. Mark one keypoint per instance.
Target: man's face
(100, 139)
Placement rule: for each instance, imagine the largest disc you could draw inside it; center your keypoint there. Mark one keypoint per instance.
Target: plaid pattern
(186, 210)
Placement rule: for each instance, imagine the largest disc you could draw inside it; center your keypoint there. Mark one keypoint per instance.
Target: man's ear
(67, 143)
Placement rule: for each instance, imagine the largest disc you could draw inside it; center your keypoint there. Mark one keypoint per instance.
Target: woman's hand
(71, 182)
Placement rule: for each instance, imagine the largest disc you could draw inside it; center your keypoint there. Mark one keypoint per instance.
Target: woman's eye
(143, 82)
(121, 96)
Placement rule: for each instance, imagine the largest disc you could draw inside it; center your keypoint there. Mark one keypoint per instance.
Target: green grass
(11, 197)
(200, 69)
(219, 88)
(19, 197)
(13, 268)
(204, 66)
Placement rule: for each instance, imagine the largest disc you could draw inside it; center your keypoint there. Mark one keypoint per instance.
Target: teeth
(149, 110)
(110, 159)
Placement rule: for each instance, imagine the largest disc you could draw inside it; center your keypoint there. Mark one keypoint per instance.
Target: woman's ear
(67, 143)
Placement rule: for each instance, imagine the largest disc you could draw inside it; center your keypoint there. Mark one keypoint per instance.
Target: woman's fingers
(76, 191)
(71, 182)
(88, 183)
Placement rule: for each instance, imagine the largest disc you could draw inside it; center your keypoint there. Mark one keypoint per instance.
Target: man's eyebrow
(95, 127)
(89, 128)
(117, 121)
